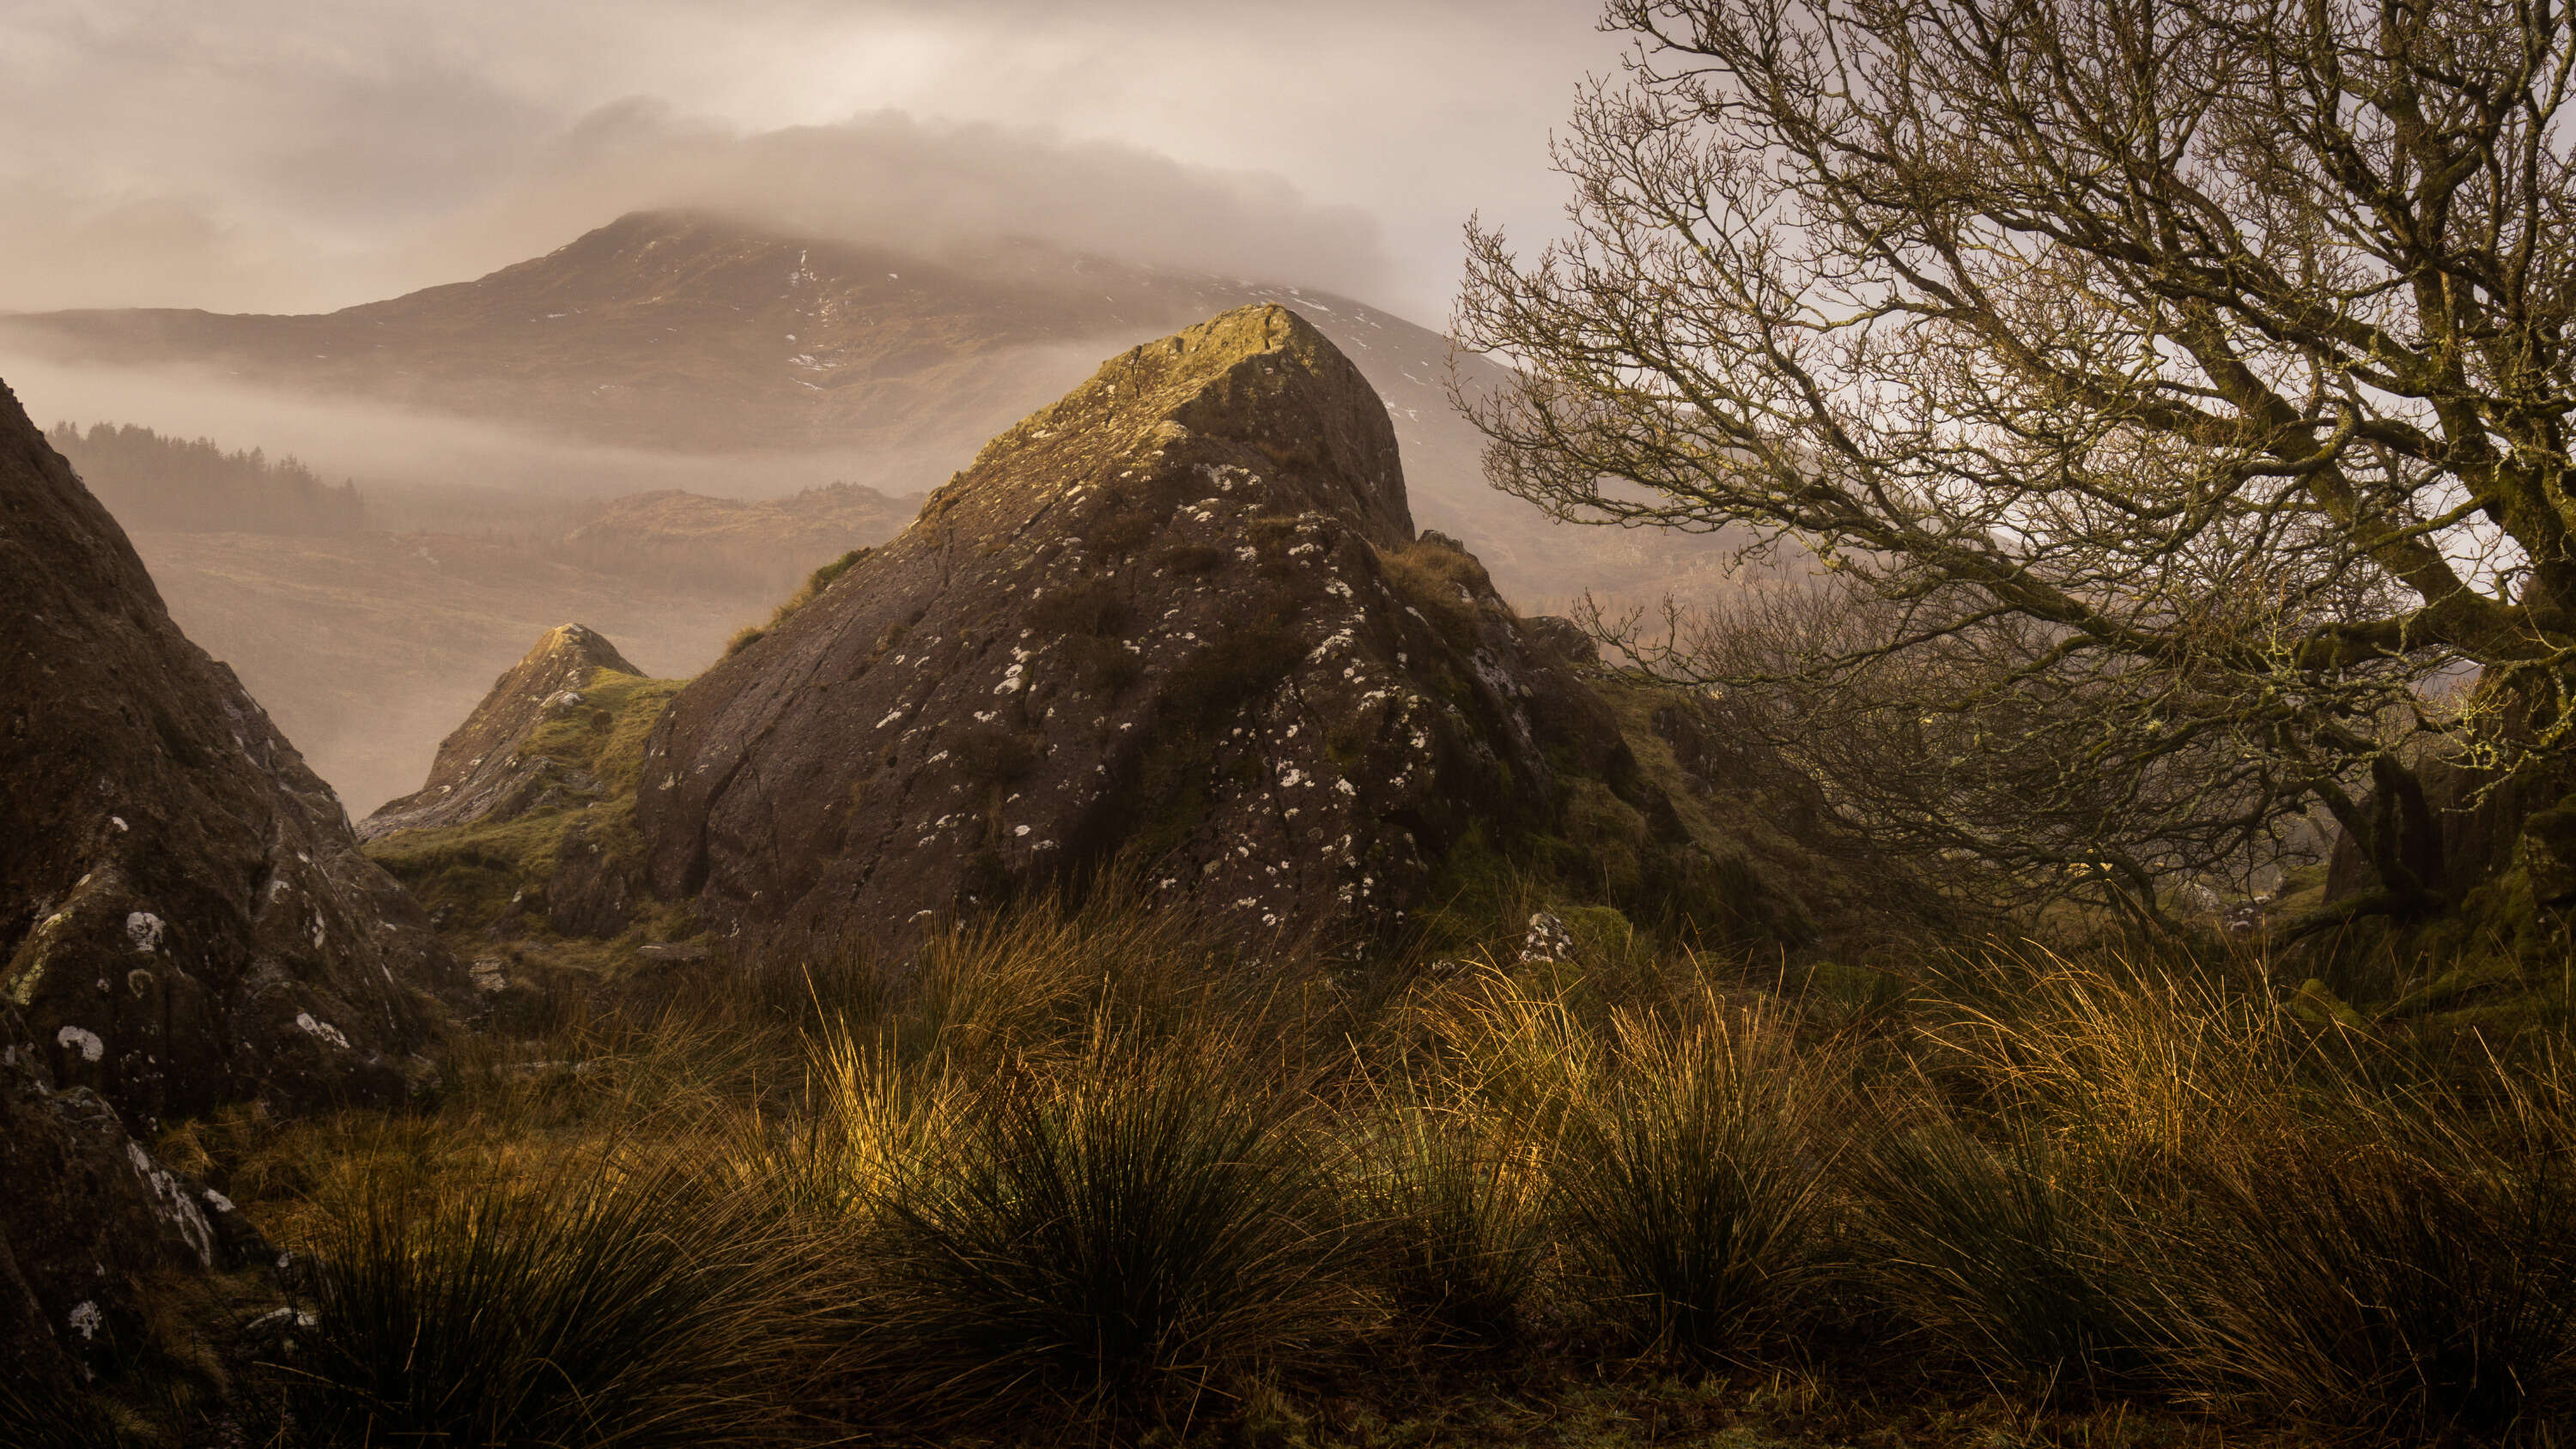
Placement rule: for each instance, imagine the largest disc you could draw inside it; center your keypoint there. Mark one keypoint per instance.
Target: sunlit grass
(1076, 1174)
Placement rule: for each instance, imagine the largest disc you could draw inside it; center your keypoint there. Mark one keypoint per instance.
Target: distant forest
(154, 482)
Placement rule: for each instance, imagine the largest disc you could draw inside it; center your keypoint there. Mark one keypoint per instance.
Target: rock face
(481, 772)
(89, 1220)
(184, 915)
(1179, 615)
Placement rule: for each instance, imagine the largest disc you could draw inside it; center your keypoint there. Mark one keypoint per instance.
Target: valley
(686, 768)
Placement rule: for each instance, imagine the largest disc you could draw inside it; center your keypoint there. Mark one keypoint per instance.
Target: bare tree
(2196, 370)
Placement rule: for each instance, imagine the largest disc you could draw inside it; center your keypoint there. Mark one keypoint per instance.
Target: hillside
(151, 481)
(367, 648)
(758, 547)
(694, 334)
(1179, 617)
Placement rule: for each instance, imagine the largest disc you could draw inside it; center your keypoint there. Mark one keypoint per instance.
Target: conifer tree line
(153, 481)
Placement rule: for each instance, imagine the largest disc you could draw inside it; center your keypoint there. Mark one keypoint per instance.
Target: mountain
(1179, 617)
(697, 334)
(184, 913)
(486, 770)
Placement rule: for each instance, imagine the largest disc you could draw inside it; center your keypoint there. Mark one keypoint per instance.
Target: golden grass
(1074, 1174)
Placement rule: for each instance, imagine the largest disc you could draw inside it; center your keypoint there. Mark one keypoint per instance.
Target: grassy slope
(491, 878)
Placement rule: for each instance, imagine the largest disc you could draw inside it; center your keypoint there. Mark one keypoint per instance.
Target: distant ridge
(692, 332)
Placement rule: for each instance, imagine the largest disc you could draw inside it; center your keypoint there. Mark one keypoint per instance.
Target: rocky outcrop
(89, 1221)
(483, 771)
(1179, 616)
(526, 822)
(185, 918)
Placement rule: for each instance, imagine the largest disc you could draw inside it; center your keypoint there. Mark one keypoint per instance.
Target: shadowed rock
(481, 773)
(184, 914)
(1179, 615)
(185, 921)
(90, 1219)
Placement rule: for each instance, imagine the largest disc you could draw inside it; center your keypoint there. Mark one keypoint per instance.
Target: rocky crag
(525, 821)
(92, 1227)
(185, 921)
(483, 771)
(1179, 617)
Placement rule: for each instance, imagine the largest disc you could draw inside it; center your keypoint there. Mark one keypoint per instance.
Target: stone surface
(1565, 636)
(185, 918)
(1178, 616)
(480, 773)
(89, 1219)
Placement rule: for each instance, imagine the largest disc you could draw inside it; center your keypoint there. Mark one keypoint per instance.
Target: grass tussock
(1133, 1237)
(599, 1303)
(1692, 1164)
(1076, 1174)
(1456, 1199)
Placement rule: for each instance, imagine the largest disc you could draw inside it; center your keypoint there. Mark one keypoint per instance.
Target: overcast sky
(276, 156)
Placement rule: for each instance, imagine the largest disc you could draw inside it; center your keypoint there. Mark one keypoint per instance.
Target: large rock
(1180, 614)
(184, 915)
(91, 1220)
(528, 813)
(482, 772)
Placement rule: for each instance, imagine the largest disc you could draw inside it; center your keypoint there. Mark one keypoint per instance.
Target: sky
(295, 155)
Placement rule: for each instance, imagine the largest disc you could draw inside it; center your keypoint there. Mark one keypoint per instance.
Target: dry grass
(1076, 1175)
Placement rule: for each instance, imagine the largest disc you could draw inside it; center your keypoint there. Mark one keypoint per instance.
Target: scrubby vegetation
(1071, 1175)
(813, 587)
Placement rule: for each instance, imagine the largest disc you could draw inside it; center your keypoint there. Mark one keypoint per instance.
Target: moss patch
(1442, 585)
(493, 876)
(604, 738)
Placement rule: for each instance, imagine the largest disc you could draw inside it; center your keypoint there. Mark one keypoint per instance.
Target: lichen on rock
(1180, 619)
(176, 887)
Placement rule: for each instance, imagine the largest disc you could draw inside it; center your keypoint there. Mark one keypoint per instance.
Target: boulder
(185, 917)
(483, 772)
(90, 1221)
(1180, 618)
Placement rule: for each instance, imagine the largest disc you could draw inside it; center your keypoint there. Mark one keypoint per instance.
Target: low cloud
(893, 180)
(886, 179)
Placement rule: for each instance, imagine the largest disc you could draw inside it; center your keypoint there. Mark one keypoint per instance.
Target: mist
(470, 469)
(277, 158)
(892, 180)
